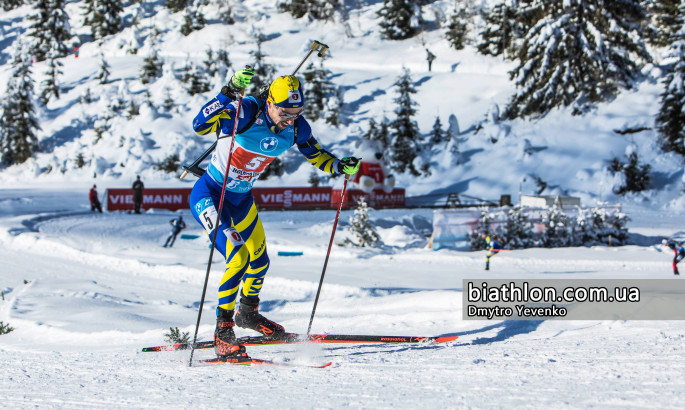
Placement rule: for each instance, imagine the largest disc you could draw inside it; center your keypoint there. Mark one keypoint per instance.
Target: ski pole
(194, 168)
(330, 243)
(216, 225)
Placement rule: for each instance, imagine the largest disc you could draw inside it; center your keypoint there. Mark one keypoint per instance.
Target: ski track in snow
(100, 287)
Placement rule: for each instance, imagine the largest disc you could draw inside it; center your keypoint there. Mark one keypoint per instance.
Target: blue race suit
(241, 239)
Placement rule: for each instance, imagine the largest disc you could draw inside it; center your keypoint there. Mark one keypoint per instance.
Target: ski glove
(349, 165)
(241, 79)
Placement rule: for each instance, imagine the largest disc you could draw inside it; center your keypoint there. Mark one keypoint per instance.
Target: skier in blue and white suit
(241, 236)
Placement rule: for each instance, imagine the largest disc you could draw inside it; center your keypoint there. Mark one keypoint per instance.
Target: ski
(249, 361)
(313, 338)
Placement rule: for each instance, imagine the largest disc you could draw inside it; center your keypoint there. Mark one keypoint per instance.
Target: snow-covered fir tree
(518, 231)
(223, 65)
(502, 30)
(50, 86)
(314, 178)
(399, 19)
(276, 168)
(558, 227)
(9, 5)
(313, 9)
(666, 19)
(103, 71)
(633, 176)
(457, 29)
(177, 5)
(50, 30)
(437, 134)
(481, 228)
(193, 20)
(404, 132)
(334, 107)
(264, 72)
(579, 53)
(210, 63)
(18, 123)
(194, 79)
(169, 103)
(152, 67)
(670, 120)
(361, 227)
(103, 17)
(319, 90)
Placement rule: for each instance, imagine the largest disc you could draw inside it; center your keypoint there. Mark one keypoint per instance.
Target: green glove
(349, 165)
(241, 79)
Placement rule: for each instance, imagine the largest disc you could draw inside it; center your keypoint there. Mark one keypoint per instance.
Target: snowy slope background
(86, 291)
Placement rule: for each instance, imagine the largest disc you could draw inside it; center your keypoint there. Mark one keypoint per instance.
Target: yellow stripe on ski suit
(246, 263)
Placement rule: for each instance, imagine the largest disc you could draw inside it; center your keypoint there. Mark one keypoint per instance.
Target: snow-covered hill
(570, 154)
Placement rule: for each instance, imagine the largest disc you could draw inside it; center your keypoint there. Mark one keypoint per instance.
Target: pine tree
(177, 5)
(9, 5)
(314, 9)
(670, 121)
(334, 107)
(558, 227)
(437, 135)
(319, 91)
(103, 73)
(361, 227)
(666, 18)
(223, 64)
(480, 229)
(314, 178)
(276, 168)
(18, 124)
(502, 29)
(404, 130)
(458, 29)
(210, 63)
(518, 231)
(192, 21)
(400, 19)
(50, 86)
(103, 17)
(152, 67)
(634, 176)
(194, 79)
(50, 30)
(579, 53)
(169, 103)
(263, 71)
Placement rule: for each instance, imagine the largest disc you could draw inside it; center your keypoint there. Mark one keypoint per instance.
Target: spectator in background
(137, 194)
(94, 200)
(430, 57)
(177, 225)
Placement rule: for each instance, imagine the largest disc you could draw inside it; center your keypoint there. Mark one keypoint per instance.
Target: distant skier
(679, 253)
(137, 194)
(177, 225)
(493, 247)
(94, 200)
(277, 126)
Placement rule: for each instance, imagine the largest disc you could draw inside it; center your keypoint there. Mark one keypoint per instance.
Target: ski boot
(225, 343)
(248, 317)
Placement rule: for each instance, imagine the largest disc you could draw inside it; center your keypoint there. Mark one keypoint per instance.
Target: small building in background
(546, 201)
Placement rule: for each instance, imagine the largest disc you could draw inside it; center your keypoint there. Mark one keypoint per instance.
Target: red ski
(313, 338)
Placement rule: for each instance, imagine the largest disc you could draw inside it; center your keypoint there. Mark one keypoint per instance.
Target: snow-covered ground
(84, 292)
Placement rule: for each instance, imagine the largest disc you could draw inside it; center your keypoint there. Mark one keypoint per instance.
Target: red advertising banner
(376, 198)
(158, 198)
(295, 198)
(121, 199)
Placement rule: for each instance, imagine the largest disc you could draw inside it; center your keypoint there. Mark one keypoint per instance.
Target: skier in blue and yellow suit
(241, 236)
(493, 247)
